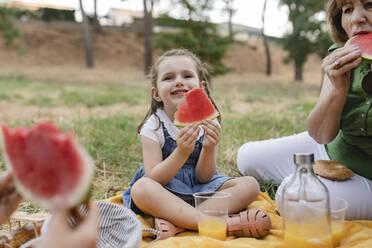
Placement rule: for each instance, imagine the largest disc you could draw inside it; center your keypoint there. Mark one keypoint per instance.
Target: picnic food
(47, 163)
(364, 42)
(194, 107)
(332, 170)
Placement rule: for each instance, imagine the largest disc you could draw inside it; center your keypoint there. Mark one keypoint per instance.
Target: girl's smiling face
(357, 17)
(176, 76)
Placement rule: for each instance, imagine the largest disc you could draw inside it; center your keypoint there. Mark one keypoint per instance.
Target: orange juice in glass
(212, 208)
(338, 211)
(213, 228)
(306, 236)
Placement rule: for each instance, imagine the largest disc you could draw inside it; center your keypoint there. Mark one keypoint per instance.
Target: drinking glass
(338, 211)
(213, 208)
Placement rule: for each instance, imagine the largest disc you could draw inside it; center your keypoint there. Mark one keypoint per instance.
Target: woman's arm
(161, 170)
(206, 166)
(323, 122)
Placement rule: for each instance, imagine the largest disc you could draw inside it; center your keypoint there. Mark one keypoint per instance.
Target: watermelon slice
(194, 107)
(47, 164)
(364, 42)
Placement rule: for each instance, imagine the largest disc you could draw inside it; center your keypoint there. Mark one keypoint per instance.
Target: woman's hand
(186, 138)
(212, 134)
(60, 234)
(9, 197)
(338, 64)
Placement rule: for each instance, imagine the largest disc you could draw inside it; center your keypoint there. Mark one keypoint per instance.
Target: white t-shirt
(148, 130)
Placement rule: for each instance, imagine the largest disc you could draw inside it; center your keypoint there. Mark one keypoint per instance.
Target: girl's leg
(152, 198)
(272, 160)
(357, 191)
(243, 190)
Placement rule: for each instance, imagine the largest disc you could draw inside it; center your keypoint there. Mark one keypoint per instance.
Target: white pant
(272, 160)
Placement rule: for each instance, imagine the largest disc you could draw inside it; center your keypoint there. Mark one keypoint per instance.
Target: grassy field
(105, 115)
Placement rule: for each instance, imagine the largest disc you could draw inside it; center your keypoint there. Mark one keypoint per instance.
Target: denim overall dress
(185, 183)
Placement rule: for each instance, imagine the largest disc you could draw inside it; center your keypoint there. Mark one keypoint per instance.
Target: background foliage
(198, 36)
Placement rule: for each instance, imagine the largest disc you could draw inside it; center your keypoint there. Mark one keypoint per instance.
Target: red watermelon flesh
(47, 163)
(194, 107)
(364, 42)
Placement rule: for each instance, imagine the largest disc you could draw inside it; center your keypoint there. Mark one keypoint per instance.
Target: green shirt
(353, 144)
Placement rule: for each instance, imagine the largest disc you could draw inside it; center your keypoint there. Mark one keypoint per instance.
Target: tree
(228, 8)
(7, 28)
(87, 38)
(307, 29)
(195, 33)
(266, 45)
(148, 31)
(97, 25)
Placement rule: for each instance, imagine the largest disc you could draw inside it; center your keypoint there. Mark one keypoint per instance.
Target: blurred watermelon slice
(194, 107)
(47, 163)
(364, 42)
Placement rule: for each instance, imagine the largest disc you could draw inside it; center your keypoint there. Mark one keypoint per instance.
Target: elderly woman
(339, 126)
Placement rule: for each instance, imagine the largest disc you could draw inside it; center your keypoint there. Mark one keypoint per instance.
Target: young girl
(180, 162)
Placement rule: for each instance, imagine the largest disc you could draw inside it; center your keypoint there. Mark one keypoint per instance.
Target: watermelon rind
(365, 56)
(182, 124)
(77, 196)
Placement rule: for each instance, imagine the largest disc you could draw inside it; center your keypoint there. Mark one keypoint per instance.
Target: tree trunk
(231, 34)
(87, 39)
(266, 44)
(147, 15)
(97, 25)
(298, 73)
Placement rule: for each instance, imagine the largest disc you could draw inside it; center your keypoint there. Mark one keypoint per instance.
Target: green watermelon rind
(81, 190)
(183, 124)
(367, 58)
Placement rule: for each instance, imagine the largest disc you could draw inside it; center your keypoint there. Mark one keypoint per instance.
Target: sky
(248, 11)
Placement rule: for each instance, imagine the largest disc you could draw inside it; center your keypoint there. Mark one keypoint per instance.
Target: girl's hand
(186, 138)
(9, 197)
(338, 64)
(212, 134)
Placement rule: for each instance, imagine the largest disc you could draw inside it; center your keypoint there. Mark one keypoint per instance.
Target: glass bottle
(306, 207)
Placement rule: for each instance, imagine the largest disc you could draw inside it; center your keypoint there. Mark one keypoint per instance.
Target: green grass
(112, 139)
(52, 94)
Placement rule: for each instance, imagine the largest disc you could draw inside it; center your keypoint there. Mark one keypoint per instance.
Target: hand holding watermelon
(338, 65)
(186, 139)
(9, 197)
(212, 134)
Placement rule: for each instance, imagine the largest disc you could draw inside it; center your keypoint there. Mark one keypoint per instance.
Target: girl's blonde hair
(334, 15)
(203, 75)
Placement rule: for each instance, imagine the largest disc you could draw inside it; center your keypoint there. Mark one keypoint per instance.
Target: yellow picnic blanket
(356, 234)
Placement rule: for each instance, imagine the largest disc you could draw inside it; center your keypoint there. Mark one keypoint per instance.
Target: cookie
(332, 170)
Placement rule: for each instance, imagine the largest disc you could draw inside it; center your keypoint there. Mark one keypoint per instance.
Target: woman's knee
(248, 159)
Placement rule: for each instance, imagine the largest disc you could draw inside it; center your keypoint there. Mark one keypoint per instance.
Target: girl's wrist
(181, 153)
(208, 149)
